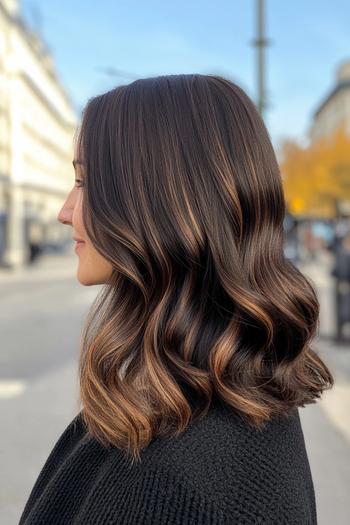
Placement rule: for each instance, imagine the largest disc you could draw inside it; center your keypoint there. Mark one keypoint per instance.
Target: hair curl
(183, 195)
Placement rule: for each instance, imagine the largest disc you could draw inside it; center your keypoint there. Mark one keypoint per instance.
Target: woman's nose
(65, 215)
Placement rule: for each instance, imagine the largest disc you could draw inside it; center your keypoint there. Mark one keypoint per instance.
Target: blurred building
(334, 110)
(37, 126)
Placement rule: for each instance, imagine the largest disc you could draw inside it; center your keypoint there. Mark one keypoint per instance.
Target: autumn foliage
(317, 178)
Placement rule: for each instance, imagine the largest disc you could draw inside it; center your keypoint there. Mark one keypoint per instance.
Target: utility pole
(260, 43)
(114, 72)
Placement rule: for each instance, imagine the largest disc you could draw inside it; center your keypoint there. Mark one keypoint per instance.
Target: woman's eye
(79, 183)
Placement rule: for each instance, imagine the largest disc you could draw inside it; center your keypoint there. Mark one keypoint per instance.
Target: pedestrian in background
(35, 241)
(341, 271)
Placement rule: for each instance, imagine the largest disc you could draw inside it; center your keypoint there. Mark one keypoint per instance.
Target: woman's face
(93, 268)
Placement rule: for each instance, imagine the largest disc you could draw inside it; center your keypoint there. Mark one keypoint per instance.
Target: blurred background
(293, 60)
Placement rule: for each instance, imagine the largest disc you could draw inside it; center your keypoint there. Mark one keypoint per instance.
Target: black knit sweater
(219, 471)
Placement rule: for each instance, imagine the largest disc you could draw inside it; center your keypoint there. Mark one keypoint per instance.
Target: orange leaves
(315, 178)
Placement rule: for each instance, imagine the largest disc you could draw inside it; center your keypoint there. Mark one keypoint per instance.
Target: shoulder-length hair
(183, 195)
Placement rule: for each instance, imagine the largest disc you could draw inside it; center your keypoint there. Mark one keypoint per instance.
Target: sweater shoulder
(261, 474)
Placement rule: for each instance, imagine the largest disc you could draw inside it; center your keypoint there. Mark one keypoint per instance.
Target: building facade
(334, 110)
(37, 126)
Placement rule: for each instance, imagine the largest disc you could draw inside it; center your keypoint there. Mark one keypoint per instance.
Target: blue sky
(309, 39)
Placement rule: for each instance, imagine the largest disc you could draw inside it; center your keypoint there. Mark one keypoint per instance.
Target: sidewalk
(336, 402)
(31, 425)
(47, 266)
(319, 272)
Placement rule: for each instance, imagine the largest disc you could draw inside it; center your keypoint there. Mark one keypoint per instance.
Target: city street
(43, 309)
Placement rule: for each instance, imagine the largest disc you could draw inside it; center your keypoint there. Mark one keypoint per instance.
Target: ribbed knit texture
(220, 471)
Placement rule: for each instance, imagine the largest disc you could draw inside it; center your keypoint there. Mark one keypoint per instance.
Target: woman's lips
(79, 244)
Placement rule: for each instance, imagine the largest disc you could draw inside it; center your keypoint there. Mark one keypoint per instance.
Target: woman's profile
(197, 353)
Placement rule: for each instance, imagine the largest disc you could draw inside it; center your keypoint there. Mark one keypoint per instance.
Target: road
(43, 309)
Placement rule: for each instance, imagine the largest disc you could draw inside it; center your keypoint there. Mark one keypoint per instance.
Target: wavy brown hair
(183, 195)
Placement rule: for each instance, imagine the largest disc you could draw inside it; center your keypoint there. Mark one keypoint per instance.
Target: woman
(196, 354)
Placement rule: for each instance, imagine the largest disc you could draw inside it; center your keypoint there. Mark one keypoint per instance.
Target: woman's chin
(90, 279)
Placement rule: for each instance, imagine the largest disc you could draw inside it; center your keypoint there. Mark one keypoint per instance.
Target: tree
(316, 178)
